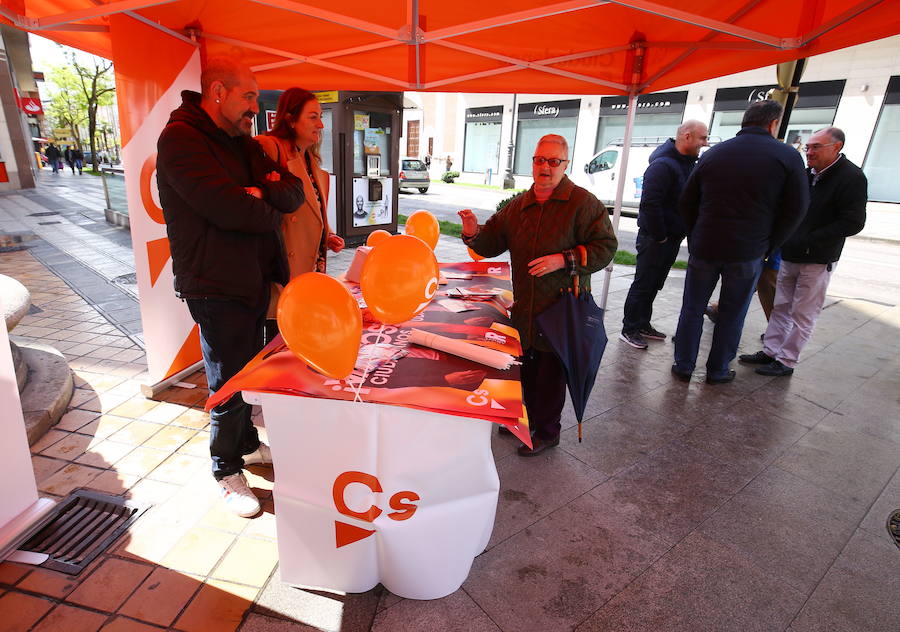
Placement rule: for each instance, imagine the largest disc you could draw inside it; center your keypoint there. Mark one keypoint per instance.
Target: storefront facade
(856, 89)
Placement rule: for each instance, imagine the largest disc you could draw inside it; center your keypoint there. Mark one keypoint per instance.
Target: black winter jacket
(837, 209)
(225, 243)
(664, 180)
(744, 198)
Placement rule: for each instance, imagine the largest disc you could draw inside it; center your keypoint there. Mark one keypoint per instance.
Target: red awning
(568, 47)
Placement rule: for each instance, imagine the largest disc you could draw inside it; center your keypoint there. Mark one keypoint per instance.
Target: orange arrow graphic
(345, 534)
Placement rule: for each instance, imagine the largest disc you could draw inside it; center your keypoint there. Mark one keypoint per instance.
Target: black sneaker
(756, 358)
(712, 313)
(634, 339)
(775, 369)
(650, 333)
(681, 375)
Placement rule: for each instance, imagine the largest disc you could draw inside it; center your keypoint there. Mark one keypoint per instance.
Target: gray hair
(836, 133)
(556, 138)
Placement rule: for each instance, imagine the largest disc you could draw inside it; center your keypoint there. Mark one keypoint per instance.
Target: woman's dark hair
(290, 105)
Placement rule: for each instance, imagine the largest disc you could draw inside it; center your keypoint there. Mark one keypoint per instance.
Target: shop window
(530, 131)
(650, 128)
(881, 162)
(803, 122)
(482, 147)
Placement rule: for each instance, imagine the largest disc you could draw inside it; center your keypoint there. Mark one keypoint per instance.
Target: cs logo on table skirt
(403, 504)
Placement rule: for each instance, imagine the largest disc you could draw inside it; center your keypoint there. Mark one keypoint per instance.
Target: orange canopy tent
(568, 47)
(508, 46)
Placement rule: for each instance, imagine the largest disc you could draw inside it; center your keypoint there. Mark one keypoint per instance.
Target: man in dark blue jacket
(660, 228)
(837, 210)
(745, 197)
(223, 201)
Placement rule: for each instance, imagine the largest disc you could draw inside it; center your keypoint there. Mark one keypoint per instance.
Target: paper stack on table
(463, 349)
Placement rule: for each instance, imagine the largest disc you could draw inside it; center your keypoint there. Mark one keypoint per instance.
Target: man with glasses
(546, 229)
(743, 199)
(837, 210)
(660, 228)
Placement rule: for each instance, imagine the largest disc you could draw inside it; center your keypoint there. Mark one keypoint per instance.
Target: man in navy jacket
(223, 201)
(660, 228)
(837, 210)
(744, 198)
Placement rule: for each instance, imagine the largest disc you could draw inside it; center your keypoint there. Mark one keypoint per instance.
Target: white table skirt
(326, 453)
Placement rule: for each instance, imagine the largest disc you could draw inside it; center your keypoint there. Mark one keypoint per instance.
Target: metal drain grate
(80, 528)
(893, 526)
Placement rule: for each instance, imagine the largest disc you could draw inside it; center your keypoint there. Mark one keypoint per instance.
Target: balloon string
(362, 380)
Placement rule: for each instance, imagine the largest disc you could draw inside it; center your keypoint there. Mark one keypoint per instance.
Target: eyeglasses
(553, 162)
(817, 146)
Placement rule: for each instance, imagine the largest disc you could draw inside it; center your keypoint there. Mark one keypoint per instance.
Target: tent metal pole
(620, 189)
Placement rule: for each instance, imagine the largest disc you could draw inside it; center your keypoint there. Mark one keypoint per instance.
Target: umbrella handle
(582, 256)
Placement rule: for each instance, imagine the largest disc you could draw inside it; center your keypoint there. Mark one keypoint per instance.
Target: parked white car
(603, 171)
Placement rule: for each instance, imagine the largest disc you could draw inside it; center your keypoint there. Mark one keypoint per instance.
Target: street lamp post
(509, 181)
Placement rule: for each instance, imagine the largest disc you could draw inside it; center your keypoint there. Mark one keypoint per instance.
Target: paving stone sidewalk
(756, 505)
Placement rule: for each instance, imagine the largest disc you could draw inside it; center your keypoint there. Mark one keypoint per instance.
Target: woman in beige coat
(294, 143)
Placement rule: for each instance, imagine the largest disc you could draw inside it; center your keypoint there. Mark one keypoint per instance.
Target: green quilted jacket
(572, 216)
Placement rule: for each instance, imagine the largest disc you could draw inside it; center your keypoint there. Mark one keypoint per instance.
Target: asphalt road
(869, 268)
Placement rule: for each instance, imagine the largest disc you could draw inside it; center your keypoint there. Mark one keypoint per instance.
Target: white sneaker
(238, 496)
(262, 456)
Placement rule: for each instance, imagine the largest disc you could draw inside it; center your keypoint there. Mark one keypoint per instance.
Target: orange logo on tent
(403, 504)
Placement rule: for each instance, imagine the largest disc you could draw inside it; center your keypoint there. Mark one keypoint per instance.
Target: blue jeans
(738, 284)
(654, 260)
(230, 335)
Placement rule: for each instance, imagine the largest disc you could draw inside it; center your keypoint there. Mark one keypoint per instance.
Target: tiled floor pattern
(187, 562)
(754, 506)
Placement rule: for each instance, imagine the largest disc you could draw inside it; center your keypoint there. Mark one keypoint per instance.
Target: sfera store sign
(550, 109)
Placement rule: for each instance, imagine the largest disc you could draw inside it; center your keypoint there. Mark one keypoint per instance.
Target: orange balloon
(377, 236)
(424, 225)
(475, 256)
(399, 278)
(321, 323)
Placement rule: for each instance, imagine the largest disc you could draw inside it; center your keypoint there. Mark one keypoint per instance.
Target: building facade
(856, 89)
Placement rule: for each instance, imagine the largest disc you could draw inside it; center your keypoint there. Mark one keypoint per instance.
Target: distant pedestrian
(78, 159)
(660, 228)
(53, 156)
(743, 200)
(837, 210)
(449, 162)
(69, 156)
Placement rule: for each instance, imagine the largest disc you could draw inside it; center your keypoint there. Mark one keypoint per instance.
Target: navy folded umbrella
(574, 328)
